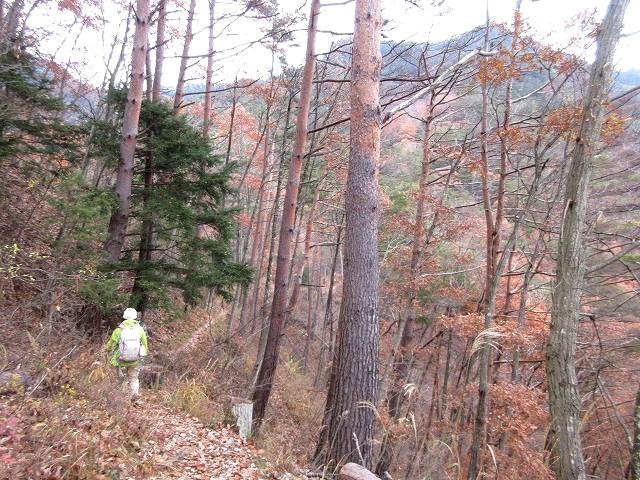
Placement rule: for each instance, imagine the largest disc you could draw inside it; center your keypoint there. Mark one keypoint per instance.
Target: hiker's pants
(132, 375)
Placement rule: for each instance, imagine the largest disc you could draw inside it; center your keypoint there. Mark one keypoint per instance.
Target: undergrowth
(77, 426)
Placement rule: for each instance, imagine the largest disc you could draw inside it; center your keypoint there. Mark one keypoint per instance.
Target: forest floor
(77, 425)
(149, 441)
(187, 449)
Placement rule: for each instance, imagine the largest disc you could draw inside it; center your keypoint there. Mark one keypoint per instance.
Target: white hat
(130, 314)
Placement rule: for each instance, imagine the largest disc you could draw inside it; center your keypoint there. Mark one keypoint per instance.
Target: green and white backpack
(131, 348)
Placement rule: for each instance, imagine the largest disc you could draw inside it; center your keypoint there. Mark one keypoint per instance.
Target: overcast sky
(552, 21)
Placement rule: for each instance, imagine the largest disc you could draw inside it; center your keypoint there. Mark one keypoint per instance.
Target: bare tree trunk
(146, 238)
(564, 398)
(299, 268)
(254, 251)
(484, 177)
(120, 218)
(327, 331)
(401, 356)
(10, 22)
(269, 363)
(263, 232)
(232, 116)
(264, 328)
(184, 59)
(447, 370)
(206, 121)
(157, 75)
(149, 75)
(353, 389)
(634, 463)
(120, 61)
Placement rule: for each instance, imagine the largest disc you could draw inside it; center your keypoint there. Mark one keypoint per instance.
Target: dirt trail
(181, 447)
(196, 337)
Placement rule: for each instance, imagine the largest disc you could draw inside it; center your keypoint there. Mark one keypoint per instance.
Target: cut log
(353, 471)
(243, 411)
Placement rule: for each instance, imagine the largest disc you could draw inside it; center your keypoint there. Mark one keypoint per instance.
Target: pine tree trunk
(10, 23)
(206, 121)
(157, 75)
(255, 232)
(326, 351)
(564, 397)
(264, 328)
(634, 463)
(278, 309)
(120, 218)
(234, 103)
(149, 75)
(299, 267)
(400, 356)
(353, 390)
(264, 233)
(138, 292)
(184, 59)
(484, 178)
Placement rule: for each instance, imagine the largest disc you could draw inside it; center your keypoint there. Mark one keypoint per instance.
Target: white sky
(551, 21)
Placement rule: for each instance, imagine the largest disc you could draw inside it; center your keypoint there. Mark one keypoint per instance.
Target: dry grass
(75, 426)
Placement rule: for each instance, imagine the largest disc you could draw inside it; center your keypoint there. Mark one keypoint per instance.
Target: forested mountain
(419, 257)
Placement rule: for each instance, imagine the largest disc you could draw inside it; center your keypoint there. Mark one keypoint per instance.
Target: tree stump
(243, 411)
(14, 382)
(151, 375)
(353, 471)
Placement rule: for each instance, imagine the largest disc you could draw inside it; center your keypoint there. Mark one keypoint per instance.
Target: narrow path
(181, 447)
(197, 336)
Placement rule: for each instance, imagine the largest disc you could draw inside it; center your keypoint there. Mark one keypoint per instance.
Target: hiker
(126, 348)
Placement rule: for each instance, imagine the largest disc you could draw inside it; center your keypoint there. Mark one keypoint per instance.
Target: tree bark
(156, 93)
(634, 463)
(206, 121)
(263, 235)
(299, 268)
(146, 238)
(264, 328)
(11, 19)
(120, 218)
(326, 349)
(564, 397)
(184, 59)
(401, 356)
(267, 370)
(484, 177)
(149, 75)
(353, 389)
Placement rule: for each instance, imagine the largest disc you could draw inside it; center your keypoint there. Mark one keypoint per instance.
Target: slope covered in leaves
(150, 442)
(74, 424)
(185, 448)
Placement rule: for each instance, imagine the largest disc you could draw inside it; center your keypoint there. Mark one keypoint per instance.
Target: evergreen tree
(31, 120)
(180, 234)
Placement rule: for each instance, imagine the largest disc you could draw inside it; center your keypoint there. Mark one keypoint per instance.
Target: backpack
(131, 347)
